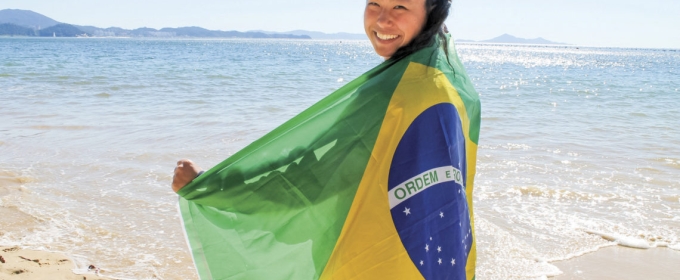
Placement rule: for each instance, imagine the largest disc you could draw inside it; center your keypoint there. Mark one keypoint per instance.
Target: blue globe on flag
(427, 194)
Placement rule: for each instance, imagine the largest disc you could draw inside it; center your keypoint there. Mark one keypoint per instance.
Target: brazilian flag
(372, 182)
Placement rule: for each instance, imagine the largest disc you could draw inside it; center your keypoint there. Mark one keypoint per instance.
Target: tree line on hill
(59, 30)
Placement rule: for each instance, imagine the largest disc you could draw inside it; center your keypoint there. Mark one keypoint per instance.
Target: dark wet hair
(438, 11)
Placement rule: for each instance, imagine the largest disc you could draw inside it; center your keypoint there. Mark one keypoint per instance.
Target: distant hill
(28, 23)
(509, 39)
(26, 18)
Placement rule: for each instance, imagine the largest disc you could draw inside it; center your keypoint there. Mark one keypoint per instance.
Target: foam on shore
(18, 263)
(625, 241)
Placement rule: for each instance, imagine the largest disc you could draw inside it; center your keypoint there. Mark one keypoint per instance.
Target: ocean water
(577, 143)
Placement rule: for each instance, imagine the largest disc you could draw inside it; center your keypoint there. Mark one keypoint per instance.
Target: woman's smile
(385, 37)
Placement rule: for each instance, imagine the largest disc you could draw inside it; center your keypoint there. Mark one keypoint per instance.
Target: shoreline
(19, 263)
(609, 262)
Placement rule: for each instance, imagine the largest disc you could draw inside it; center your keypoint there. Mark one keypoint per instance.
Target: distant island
(321, 35)
(509, 39)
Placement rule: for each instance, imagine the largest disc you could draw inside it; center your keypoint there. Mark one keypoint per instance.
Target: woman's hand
(185, 172)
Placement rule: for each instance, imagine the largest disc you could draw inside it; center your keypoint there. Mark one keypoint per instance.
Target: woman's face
(392, 24)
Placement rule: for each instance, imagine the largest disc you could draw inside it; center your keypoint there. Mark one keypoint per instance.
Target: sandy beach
(618, 262)
(17, 263)
(612, 262)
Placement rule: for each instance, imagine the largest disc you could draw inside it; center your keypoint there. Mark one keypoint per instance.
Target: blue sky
(622, 23)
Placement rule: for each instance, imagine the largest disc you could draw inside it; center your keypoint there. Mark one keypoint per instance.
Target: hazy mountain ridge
(29, 23)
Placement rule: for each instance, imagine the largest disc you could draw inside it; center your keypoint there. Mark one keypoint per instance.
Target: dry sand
(17, 263)
(622, 263)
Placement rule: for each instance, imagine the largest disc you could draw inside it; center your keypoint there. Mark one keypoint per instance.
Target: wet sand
(621, 263)
(17, 263)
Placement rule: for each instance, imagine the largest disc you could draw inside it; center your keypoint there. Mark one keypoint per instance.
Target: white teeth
(385, 36)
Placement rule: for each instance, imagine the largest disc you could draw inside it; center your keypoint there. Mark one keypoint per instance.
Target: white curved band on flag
(422, 181)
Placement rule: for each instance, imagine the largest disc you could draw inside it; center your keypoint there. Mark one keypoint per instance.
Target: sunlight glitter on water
(569, 144)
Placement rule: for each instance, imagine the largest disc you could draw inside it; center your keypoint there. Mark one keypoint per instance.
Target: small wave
(625, 241)
(13, 219)
(4, 75)
(648, 170)
(273, 109)
(9, 178)
(556, 193)
(670, 198)
(103, 95)
(578, 253)
(220, 77)
(670, 162)
(513, 146)
(62, 127)
(485, 119)
(638, 114)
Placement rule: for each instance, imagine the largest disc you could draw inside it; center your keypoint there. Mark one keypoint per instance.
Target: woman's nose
(384, 18)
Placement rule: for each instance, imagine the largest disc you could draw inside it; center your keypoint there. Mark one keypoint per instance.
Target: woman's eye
(399, 7)
(373, 4)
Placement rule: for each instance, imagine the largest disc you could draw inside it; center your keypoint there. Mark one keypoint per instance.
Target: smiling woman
(418, 21)
(392, 24)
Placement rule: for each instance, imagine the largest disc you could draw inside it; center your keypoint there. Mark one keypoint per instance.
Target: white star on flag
(407, 211)
(453, 262)
(441, 214)
(427, 248)
(440, 261)
(421, 263)
(439, 248)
